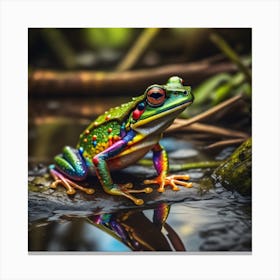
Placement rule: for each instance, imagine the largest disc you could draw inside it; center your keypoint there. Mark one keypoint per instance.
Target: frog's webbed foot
(126, 190)
(173, 180)
(67, 183)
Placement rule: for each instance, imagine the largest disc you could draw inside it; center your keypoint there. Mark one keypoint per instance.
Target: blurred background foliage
(78, 73)
(101, 52)
(103, 48)
(75, 74)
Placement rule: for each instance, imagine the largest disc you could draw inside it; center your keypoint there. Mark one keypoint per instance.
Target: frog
(120, 138)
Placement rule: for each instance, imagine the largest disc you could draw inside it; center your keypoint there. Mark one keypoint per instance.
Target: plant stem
(231, 54)
(60, 47)
(185, 166)
(138, 48)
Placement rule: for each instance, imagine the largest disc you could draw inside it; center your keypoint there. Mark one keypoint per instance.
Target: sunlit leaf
(108, 37)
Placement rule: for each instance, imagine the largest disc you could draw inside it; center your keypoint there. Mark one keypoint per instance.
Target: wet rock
(235, 173)
(44, 201)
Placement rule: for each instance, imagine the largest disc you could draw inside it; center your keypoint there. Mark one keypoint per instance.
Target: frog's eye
(155, 96)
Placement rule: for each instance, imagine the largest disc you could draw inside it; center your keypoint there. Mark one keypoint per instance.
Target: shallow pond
(212, 225)
(196, 219)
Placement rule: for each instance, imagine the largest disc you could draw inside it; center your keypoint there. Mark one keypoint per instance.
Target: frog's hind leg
(69, 167)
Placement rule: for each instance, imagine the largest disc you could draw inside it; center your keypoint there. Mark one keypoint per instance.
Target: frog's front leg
(69, 167)
(160, 160)
(100, 162)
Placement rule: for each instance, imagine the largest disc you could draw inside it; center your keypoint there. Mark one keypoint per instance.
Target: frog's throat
(178, 109)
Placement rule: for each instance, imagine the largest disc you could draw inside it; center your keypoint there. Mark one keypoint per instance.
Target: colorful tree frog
(121, 137)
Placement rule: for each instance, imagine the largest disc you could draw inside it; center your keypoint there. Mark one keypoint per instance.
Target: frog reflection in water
(139, 233)
(121, 137)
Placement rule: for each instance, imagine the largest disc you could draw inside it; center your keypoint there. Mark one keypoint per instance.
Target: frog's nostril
(185, 92)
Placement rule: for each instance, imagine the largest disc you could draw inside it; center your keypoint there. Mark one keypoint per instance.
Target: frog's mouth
(159, 122)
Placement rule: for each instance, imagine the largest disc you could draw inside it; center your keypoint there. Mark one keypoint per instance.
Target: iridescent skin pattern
(121, 137)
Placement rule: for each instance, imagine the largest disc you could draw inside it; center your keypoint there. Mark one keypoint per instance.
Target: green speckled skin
(119, 113)
(106, 129)
(103, 138)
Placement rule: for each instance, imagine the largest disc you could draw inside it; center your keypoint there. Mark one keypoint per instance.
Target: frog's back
(96, 140)
(119, 113)
(105, 130)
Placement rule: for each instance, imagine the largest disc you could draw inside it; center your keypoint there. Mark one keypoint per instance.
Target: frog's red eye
(156, 96)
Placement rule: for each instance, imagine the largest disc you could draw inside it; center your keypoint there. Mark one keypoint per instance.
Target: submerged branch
(184, 166)
(194, 165)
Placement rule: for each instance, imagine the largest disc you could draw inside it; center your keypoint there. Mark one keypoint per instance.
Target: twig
(138, 48)
(225, 143)
(206, 114)
(194, 165)
(185, 166)
(211, 129)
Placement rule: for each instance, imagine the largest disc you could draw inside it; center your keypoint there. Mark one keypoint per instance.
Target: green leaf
(108, 37)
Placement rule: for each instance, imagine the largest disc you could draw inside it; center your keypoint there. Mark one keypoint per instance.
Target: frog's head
(161, 105)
